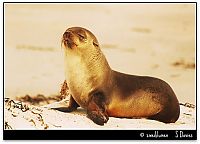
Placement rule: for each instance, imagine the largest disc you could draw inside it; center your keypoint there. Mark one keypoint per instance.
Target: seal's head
(77, 37)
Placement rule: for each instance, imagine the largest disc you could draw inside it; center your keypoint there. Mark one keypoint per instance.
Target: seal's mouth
(68, 39)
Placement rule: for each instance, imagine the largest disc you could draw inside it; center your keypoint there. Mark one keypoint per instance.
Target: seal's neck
(96, 59)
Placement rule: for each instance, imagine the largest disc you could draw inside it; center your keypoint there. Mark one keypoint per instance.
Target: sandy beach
(142, 39)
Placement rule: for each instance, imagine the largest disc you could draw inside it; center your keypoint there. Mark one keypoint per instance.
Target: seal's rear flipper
(66, 105)
(96, 109)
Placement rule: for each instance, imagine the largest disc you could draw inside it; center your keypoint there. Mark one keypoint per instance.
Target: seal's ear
(95, 44)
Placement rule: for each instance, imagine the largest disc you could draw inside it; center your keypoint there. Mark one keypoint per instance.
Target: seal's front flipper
(66, 105)
(96, 109)
(97, 117)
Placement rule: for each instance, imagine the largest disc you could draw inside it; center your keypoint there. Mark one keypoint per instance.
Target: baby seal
(103, 92)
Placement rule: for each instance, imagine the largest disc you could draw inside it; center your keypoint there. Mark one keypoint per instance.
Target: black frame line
(97, 134)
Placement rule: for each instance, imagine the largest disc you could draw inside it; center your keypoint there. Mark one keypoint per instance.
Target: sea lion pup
(103, 92)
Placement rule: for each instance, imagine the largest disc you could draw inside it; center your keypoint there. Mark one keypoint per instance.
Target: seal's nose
(67, 35)
(69, 39)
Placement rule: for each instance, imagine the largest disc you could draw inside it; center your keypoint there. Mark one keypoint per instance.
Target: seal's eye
(95, 44)
(82, 37)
